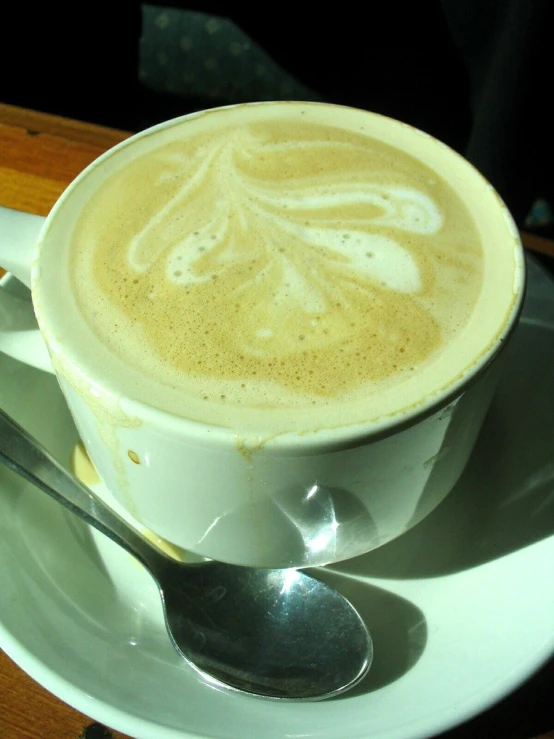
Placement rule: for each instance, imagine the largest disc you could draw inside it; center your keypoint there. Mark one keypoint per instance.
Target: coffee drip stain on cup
(84, 470)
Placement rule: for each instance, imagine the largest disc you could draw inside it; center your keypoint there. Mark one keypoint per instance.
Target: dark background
(475, 73)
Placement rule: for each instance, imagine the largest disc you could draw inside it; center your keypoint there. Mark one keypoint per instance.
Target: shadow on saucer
(504, 500)
(397, 627)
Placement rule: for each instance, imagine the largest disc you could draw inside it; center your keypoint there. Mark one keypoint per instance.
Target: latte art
(220, 245)
(286, 244)
(278, 263)
(246, 209)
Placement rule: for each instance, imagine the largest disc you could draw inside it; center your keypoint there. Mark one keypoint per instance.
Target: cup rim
(342, 435)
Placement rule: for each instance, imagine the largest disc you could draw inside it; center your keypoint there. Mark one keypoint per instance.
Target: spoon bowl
(279, 634)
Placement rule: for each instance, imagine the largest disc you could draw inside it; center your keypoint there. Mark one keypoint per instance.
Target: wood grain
(40, 157)
(34, 122)
(30, 712)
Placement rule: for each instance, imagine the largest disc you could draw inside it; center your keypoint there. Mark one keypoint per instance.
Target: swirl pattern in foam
(274, 263)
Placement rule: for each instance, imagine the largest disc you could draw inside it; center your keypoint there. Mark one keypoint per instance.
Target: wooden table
(39, 155)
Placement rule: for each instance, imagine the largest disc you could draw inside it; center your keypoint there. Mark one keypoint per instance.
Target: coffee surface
(274, 260)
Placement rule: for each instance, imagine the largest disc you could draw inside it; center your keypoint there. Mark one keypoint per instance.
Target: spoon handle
(25, 455)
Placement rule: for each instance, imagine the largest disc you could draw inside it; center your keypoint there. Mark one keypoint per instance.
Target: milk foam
(271, 265)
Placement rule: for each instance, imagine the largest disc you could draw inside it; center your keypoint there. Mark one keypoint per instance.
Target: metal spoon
(272, 633)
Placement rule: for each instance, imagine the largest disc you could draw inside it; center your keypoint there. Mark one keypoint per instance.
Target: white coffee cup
(295, 500)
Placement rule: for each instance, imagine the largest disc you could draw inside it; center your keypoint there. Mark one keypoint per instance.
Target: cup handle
(19, 334)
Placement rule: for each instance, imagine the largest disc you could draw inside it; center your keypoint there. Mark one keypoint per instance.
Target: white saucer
(461, 608)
